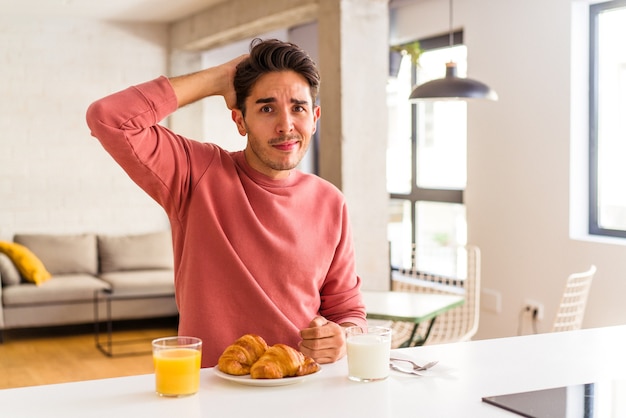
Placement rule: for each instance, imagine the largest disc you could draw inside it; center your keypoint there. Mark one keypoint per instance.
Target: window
(607, 123)
(426, 156)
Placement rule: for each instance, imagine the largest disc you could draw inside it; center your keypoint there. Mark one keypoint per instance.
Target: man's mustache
(285, 138)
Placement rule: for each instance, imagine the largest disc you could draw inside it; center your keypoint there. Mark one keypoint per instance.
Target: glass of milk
(368, 353)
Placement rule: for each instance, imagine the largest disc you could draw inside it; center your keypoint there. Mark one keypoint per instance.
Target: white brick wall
(55, 177)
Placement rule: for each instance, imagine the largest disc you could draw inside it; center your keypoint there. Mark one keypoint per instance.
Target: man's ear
(317, 112)
(237, 116)
(238, 119)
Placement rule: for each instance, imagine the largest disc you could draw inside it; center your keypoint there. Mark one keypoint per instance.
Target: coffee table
(107, 296)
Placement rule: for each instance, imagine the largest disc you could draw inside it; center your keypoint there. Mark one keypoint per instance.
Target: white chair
(571, 310)
(458, 324)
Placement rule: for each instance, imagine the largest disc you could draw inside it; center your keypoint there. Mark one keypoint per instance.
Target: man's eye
(299, 108)
(266, 109)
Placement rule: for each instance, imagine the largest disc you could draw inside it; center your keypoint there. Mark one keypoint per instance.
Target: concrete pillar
(353, 60)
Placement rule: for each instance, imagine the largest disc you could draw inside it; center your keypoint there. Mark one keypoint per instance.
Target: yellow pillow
(27, 263)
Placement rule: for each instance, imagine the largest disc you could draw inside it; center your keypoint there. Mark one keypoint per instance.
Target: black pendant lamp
(452, 87)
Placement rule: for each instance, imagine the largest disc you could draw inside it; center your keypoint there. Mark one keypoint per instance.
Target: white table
(454, 388)
(409, 307)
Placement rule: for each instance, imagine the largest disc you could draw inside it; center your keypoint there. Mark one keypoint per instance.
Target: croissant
(280, 361)
(238, 357)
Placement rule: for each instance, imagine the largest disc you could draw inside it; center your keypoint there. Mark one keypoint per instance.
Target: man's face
(280, 120)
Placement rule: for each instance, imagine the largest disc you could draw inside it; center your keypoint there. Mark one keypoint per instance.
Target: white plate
(247, 380)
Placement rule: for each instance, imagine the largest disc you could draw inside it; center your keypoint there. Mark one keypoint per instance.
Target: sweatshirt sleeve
(136, 107)
(341, 299)
(127, 125)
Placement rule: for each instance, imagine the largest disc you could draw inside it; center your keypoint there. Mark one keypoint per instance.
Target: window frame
(594, 224)
(420, 194)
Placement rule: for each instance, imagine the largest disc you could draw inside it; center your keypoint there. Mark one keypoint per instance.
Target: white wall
(54, 177)
(520, 159)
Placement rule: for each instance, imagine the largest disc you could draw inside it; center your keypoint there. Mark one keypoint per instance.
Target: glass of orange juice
(177, 365)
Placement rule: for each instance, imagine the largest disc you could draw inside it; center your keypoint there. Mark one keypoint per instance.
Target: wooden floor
(67, 354)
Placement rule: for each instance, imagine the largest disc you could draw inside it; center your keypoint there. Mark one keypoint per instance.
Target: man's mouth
(286, 143)
(286, 146)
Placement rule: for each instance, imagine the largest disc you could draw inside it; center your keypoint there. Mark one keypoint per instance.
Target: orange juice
(177, 371)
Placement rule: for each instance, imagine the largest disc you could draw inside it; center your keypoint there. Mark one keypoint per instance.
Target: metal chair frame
(458, 324)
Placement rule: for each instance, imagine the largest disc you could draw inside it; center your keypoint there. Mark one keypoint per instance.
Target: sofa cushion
(135, 252)
(64, 254)
(8, 271)
(141, 281)
(27, 263)
(62, 289)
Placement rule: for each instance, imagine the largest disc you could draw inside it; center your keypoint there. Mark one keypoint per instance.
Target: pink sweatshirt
(252, 254)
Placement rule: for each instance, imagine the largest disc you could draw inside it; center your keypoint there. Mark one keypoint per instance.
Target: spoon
(401, 370)
(416, 366)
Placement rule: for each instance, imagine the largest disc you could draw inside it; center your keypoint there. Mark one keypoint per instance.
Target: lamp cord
(451, 35)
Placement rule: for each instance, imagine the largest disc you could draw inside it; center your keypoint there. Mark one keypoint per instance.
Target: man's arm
(127, 125)
(213, 81)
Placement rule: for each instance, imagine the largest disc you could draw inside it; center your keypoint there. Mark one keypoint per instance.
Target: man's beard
(281, 165)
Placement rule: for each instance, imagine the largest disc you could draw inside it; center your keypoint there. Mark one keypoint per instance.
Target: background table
(412, 307)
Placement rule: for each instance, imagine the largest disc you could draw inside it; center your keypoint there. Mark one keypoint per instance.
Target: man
(259, 246)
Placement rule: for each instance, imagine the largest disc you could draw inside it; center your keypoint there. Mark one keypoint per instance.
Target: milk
(368, 353)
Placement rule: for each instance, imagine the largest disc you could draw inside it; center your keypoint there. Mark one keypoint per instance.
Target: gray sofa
(80, 265)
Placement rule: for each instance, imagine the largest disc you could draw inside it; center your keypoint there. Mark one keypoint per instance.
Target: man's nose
(284, 123)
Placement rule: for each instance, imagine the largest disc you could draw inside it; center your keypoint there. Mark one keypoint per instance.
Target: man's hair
(272, 55)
